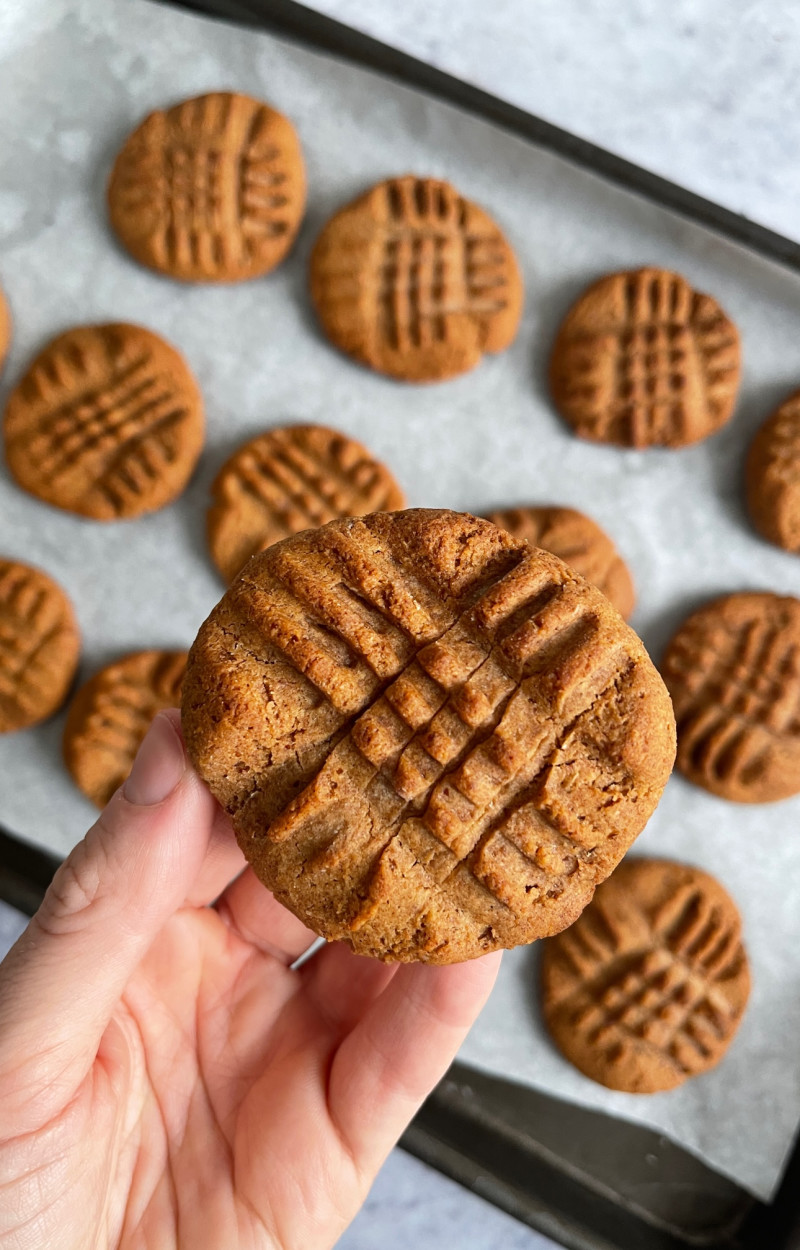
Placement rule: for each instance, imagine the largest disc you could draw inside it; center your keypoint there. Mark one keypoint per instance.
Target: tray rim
(25, 869)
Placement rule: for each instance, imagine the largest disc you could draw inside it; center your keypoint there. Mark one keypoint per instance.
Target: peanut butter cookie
(577, 540)
(415, 281)
(211, 190)
(733, 671)
(39, 646)
(111, 713)
(642, 360)
(773, 476)
(107, 422)
(433, 740)
(649, 986)
(289, 479)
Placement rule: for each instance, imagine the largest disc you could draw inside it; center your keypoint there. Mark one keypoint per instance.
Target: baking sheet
(73, 81)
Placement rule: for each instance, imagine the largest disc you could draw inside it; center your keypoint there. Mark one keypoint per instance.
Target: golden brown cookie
(5, 329)
(648, 987)
(290, 479)
(733, 671)
(773, 476)
(107, 422)
(433, 741)
(39, 646)
(577, 540)
(211, 190)
(642, 360)
(415, 281)
(111, 713)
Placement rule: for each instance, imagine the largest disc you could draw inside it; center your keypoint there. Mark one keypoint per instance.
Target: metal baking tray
(579, 1176)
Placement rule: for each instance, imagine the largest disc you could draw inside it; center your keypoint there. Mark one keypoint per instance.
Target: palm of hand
(209, 1118)
(167, 1079)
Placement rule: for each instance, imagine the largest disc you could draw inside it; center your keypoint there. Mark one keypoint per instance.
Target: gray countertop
(706, 95)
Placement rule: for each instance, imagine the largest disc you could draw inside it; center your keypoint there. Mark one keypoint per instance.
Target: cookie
(211, 190)
(111, 713)
(642, 360)
(733, 671)
(415, 281)
(773, 476)
(5, 329)
(433, 741)
(39, 646)
(290, 479)
(107, 422)
(577, 540)
(649, 986)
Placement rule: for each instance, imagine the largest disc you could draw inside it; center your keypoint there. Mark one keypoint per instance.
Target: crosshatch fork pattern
(733, 670)
(127, 696)
(654, 363)
(577, 540)
(210, 189)
(452, 731)
(111, 714)
(416, 281)
(107, 422)
(291, 479)
(431, 267)
(629, 985)
(38, 644)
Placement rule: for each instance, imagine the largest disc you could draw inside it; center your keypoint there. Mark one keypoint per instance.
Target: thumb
(107, 902)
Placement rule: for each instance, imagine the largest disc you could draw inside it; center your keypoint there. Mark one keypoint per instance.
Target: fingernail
(158, 767)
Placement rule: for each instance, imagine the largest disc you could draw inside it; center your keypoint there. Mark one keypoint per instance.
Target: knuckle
(75, 890)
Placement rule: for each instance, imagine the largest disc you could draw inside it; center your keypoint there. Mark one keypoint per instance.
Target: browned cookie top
(733, 670)
(5, 328)
(577, 540)
(111, 713)
(433, 740)
(649, 985)
(773, 476)
(39, 646)
(107, 422)
(415, 281)
(290, 479)
(643, 360)
(211, 190)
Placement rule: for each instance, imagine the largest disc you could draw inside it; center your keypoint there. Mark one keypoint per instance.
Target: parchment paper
(73, 80)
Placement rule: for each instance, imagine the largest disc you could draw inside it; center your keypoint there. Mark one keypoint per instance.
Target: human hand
(166, 1079)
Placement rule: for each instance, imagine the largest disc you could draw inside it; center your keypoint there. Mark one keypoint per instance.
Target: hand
(166, 1080)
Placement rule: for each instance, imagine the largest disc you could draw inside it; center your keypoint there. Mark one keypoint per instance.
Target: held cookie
(733, 671)
(39, 646)
(649, 986)
(577, 540)
(5, 329)
(433, 741)
(212, 190)
(415, 281)
(290, 479)
(642, 360)
(107, 422)
(773, 476)
(111, 713)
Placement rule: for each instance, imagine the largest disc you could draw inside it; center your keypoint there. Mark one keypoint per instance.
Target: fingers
(106, 904)
(342, 985)
(222, 864)
(389, 1063)
(257, 916)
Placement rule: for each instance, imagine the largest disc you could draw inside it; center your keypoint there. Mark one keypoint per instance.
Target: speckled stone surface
(706, 94)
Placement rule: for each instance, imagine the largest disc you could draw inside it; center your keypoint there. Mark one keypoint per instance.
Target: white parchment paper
(75, 76)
